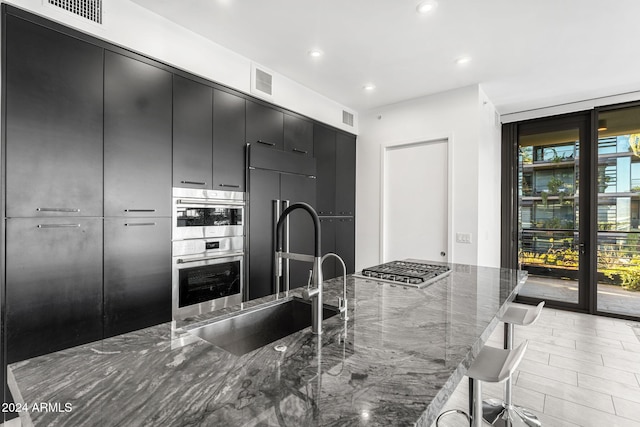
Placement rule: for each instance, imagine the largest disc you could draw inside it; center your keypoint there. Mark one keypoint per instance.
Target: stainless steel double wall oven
(208, 250)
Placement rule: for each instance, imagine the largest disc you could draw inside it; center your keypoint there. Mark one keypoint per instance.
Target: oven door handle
(227, 255)
(209, 202)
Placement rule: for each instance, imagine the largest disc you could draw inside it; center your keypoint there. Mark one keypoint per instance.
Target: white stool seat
(521, 314)
(495, 365)
(492, 365)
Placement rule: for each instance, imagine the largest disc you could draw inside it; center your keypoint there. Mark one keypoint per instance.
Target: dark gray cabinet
(335, 154)
(53, 123)
(192, 133)
(324, 148)
(265, 125)
(345, 175)
(336, 162)
(137, 138)
(228, 141)
(298, 135)
(137, 273)
(53, 284)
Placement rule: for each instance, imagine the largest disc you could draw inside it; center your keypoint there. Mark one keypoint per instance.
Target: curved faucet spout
(316, 225)
(316, 276)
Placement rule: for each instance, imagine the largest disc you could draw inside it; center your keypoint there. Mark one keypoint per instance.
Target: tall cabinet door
(137, 138)
(345, 174)
(299, 188)
(54, 284)
(264, 189)
(228, 141)
(192, 133)
(324, 148)
(137, 273)
(53, 123)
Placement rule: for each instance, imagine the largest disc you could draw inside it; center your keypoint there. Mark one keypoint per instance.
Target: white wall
(461, 116)
(489, 179)
(134, 27)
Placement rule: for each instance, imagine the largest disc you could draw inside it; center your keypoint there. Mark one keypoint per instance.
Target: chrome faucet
(342, 302)
(315, 293)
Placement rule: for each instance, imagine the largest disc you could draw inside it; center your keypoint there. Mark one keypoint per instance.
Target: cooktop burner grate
(416, 274)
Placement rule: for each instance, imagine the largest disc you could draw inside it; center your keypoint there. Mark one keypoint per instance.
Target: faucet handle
(309, 279)
(342, 308)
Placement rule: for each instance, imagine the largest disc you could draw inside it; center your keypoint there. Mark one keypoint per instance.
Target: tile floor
(579, 370)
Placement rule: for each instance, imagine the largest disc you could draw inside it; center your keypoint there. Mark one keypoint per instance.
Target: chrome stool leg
(505, 413)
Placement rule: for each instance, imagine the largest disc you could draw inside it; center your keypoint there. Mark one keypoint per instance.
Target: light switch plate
(463, 237)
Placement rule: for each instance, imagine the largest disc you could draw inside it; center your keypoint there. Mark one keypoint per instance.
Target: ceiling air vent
(88, 9)
(347, 118)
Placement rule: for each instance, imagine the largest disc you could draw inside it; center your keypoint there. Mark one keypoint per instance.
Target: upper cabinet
(53, 123)
(298, 135)
(345, 174)
(192, 133)
(137, 138)
(228, 141)
(265, 125)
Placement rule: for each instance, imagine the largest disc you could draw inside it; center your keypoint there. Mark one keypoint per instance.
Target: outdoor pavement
(611, 298)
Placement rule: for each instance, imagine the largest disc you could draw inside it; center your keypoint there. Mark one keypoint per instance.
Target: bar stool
(498, 412)
(493, 365)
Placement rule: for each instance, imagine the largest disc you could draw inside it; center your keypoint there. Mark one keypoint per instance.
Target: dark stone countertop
(404, 353)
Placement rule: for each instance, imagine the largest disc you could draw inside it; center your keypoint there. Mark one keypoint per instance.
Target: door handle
(582, 248)
(194, 182)
(270, 144)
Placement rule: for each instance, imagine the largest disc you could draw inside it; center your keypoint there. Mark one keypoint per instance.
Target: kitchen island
(395, 361)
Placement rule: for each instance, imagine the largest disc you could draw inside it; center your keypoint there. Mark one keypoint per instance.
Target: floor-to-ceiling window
(576, 209)
(618, 210)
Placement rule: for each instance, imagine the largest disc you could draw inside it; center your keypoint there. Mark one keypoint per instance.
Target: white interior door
(415, 201)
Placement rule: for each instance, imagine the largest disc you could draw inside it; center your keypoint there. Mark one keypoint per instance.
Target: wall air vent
(347, 118)
(261, 81)
(88, 9)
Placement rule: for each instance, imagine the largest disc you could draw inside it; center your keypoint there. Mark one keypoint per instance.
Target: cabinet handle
(139, 210)
(271, 144)
(194, 182)
(230, 185)
(58, 225)
(136, 224)
(297, 150)
(57, 210)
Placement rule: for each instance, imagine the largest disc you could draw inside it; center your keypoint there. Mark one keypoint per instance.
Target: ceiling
(526, 53)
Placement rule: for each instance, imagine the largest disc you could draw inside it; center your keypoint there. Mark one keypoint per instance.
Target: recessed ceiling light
(463, 60)
(315, 53)
(426, 6)
(369, 87)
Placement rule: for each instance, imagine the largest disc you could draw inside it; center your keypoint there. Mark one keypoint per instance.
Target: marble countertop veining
(394, 362)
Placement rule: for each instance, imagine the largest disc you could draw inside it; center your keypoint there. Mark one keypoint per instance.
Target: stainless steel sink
(256, 328)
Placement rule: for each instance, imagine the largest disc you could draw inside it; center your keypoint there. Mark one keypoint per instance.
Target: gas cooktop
(408, 273)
